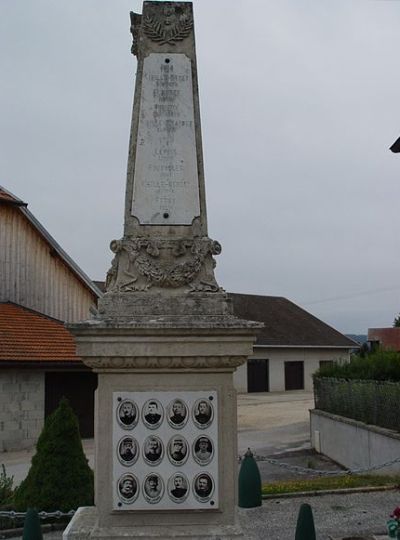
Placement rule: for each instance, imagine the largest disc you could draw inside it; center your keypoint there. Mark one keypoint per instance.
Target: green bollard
(32, 528)
(249, 482)
(305, 529)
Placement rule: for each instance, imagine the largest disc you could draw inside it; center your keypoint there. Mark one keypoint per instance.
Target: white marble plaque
(165, 448)
(166, 184)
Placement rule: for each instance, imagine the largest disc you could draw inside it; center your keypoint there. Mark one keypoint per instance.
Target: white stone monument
(165, 343)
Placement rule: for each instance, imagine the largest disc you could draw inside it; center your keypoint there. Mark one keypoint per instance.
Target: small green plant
(6, 486)
(60, 477)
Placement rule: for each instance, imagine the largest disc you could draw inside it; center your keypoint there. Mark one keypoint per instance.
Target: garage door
(294, 375)
(79, 389)
(257, 375)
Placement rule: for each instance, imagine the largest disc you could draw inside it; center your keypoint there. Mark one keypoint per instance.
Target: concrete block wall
(354, 444)
(21, 408)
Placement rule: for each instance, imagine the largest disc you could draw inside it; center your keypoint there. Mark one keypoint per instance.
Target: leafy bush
(60, 477)
(6, 486)
(6, 493)
(380, 365)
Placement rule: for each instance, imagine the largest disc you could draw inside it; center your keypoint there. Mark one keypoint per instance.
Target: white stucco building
(291, 347)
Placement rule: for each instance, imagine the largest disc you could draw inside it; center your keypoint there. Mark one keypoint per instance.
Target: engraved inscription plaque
(166, 186)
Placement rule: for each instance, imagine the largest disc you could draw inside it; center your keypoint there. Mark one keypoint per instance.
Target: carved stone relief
(141, 263)
(168, 25)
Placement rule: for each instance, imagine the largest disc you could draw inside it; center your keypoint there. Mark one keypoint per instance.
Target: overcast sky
(299, 105)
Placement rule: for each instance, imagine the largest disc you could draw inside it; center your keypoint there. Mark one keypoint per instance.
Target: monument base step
(83, 526)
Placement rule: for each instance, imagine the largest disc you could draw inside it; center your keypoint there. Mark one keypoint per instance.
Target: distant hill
(360, 338)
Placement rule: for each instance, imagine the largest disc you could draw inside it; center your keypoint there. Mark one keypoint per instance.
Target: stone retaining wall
(354, 444)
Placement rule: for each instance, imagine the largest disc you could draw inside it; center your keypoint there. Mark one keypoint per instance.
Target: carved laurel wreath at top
(156, 31)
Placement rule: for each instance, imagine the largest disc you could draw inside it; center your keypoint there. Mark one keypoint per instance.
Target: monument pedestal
(158, 361)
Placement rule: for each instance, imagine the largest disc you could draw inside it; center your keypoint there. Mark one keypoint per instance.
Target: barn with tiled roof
(41, 288)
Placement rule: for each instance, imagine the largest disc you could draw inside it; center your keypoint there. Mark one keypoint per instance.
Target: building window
(326, 363)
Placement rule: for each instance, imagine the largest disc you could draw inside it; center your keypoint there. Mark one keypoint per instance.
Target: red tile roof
(27, 335)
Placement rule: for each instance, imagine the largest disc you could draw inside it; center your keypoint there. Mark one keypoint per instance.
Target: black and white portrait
(128, 488)
(178, 487)
(203, 413)
(127, 414)
(203, 450)
(203, 487)
(177, 413)
(153, 450)
(152, 413)
(153, 488)
(128, 451)
(178, 450)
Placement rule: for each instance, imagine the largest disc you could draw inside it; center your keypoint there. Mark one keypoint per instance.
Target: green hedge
(377, 366)
(372, 402)
(366, 389)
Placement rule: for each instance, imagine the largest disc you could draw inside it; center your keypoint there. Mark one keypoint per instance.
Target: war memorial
(164, 343)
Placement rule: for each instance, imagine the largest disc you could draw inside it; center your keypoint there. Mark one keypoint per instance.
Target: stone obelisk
(165, 343)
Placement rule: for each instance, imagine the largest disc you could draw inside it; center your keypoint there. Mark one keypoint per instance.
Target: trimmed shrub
(60, 477)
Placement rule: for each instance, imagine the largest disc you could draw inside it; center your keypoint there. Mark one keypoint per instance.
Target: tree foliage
(396, 322)
(379, 365)
(60, 477)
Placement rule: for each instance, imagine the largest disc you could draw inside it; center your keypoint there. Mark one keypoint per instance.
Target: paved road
(277, 425)
(274, 422)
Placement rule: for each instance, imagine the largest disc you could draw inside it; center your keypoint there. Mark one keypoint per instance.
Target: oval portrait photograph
(128, 488)
(178, 487)
(153, 450)
(127, 414)
(177, 413)
(128, 450)
(152, 414)
(203, 413)
(203, 450)
(153, 488)
(203, 487)
(178, 450)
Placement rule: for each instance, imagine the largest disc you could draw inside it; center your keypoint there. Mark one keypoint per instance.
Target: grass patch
(326, 482)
